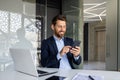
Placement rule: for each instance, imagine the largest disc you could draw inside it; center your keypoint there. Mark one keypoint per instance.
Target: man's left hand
(75, 51)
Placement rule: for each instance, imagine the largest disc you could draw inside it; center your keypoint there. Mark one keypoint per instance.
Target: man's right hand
(65, 50)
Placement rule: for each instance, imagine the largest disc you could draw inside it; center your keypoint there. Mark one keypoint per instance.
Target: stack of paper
(82, 76)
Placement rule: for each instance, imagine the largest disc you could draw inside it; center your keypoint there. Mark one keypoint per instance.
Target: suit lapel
(54, 45)
(65, 42)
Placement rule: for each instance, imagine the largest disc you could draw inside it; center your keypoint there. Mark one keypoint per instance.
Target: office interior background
(25, 23)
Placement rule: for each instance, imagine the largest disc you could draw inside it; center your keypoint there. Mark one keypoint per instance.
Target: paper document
(82, 76)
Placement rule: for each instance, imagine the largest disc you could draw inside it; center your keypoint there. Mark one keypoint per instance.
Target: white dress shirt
(64, 64)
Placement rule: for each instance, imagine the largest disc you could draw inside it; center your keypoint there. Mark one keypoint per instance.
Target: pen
(91, 78)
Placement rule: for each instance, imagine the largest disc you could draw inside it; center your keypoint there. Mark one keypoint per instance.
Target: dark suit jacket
(49, 53)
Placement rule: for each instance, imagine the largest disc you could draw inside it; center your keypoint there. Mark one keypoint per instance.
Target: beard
(60, 34)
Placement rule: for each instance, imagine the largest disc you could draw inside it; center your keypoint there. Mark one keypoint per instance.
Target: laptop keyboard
(44, 73)
(41, 72)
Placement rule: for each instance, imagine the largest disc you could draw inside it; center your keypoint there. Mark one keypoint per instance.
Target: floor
(94, 65)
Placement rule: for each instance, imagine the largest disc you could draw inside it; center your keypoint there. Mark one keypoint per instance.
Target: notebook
(24, 63)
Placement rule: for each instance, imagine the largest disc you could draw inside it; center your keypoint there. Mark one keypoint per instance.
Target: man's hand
(75, 51)
(65, 50)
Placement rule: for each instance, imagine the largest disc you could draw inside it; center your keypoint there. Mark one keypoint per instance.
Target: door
(100, 45)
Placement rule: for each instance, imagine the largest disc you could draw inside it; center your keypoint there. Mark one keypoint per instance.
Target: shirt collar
(57, 38)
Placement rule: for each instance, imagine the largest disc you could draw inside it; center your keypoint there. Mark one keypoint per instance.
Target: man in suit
(57, 50)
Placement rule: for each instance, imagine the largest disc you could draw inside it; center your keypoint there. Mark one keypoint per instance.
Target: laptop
(24, 63)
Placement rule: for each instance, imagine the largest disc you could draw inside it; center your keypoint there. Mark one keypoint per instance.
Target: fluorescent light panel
(95, 7)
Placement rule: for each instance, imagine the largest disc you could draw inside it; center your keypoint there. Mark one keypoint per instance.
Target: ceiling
(94, 10)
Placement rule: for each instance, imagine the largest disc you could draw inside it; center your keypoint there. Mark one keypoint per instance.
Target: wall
(112, 35)
(118, 37)
(10, 5)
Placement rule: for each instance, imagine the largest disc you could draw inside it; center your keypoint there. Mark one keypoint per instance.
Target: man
(57, 51)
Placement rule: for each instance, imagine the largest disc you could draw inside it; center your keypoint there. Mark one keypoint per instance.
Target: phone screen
(56, 78)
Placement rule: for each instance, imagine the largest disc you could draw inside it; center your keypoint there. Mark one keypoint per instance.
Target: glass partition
(74, 13)
(18, 28)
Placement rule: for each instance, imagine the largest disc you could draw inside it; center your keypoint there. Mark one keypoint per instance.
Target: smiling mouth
(61, 31)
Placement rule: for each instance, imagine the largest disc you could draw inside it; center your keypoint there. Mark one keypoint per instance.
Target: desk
(14, 75)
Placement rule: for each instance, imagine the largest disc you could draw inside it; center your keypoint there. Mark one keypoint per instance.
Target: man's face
(59, 28)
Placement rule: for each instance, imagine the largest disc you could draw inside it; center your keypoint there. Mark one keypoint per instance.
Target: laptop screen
(24, 61)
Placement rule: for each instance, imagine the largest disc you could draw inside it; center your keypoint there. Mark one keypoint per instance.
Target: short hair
(58, 17)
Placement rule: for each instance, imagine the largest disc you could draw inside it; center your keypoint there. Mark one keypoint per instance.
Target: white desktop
(10, 73)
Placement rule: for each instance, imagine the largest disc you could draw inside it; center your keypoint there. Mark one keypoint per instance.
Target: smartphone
(76, 43)
(56, 78)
